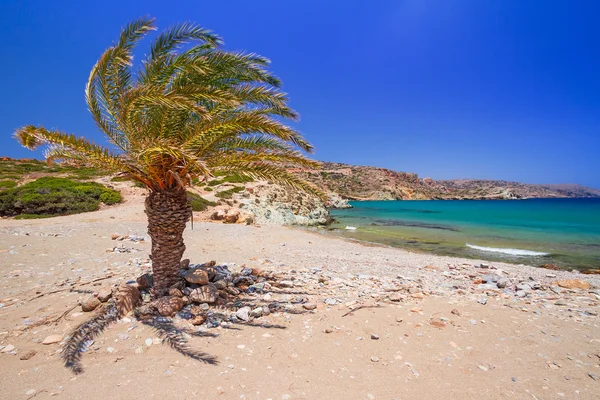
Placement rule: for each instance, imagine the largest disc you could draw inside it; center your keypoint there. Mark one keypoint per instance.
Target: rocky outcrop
(272, 204)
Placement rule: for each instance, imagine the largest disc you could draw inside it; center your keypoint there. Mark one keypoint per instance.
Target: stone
(148, 342)
(28, 355)
(374, 359)
(573, 284)
(484, 265)
(593, 376)
(90, 304)
(205, 294)
(198, 320)
(104, 294)
(330, 301)
(455, 312)
(286, 284)
(482, 300)
(196, 276)
(169, 305)
(243, 313)
(502, 283)
(309, 306)
(523, 286)
(128, 297)
(231, 218)
(221, 284)
(374, 336)
(114, 236)
(145, 281)
(52, 339)
(175, 292)
(185, 263)
(257, 312)
(7, 348)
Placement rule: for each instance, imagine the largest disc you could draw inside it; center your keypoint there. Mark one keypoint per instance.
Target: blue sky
(492, 89)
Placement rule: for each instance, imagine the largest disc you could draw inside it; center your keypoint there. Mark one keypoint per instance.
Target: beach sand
(423, 326)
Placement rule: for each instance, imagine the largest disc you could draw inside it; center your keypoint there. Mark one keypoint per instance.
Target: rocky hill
(373, 183)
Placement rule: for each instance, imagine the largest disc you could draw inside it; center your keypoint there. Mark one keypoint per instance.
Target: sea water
(564, 232)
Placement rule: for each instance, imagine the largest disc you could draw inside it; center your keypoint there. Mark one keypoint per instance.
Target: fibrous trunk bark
(168, 212)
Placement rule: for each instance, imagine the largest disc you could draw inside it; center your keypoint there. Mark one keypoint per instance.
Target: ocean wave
(512, 252)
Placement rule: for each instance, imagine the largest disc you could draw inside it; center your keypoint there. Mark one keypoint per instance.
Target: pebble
(330, 301)
(593, 376)
(52, 339)
(28, 355)
(482, 300)
(8, 348)
(148, 342)
(374, 336)
(374, 359)
(309, 306)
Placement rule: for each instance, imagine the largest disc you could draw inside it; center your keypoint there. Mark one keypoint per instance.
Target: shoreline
(386, 322)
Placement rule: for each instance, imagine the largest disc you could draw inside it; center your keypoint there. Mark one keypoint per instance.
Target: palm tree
(190, 110)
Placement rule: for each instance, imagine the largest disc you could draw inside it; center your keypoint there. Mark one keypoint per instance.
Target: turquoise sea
(565, 232)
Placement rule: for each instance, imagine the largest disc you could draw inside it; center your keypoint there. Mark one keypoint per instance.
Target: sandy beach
(388, 324)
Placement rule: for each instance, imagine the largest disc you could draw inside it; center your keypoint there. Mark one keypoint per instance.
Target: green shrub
(208, 189)
(230, 179)
(199, 203)
(227, 194)
(49, 196)
(7, 184)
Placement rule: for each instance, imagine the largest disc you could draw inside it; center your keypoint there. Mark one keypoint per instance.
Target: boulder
(169, 305)
(197, 276)
(243, 313)
(205, 294)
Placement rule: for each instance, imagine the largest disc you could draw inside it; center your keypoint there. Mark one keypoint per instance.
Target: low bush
(49, 196)
(199, 203)
(227, 194)
(7, 184)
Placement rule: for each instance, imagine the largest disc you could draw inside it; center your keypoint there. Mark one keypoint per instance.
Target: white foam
(512, 252)
(351, 228)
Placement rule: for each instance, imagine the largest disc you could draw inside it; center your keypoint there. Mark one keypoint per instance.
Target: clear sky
(494, 89)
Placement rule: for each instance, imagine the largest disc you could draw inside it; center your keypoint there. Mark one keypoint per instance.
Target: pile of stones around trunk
(208, 294)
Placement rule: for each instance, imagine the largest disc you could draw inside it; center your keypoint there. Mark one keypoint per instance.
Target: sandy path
(507, 348)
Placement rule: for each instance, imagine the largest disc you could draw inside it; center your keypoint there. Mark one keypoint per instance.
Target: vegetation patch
(227, 194)
(48, 197)
(7, 184)
(199, 203)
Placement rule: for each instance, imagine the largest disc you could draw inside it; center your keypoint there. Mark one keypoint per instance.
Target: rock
(175, 292)
(8, 349)
(221, 284)
(573, 284)
(243, 313)
(257, 312)
(502, 283)
(114, 236)
(286, 284)
(231, 218)
(309, 306)
(455, 312)
(484, 265)
(560, 302)
(482, 300)
(145, 281)
(196, 276)
(104, 294)
(198, 320)
(168, 305)
(374, 359)
(28, 355)
(148, 342)
(593, 376)
(205, 294)
(330, 301)
(90, 304)
(521, 293)
(128, 297)
(374, 336)
(185, 263)
(52, 339)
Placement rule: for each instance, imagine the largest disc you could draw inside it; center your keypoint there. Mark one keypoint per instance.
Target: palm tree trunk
(168, 212)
